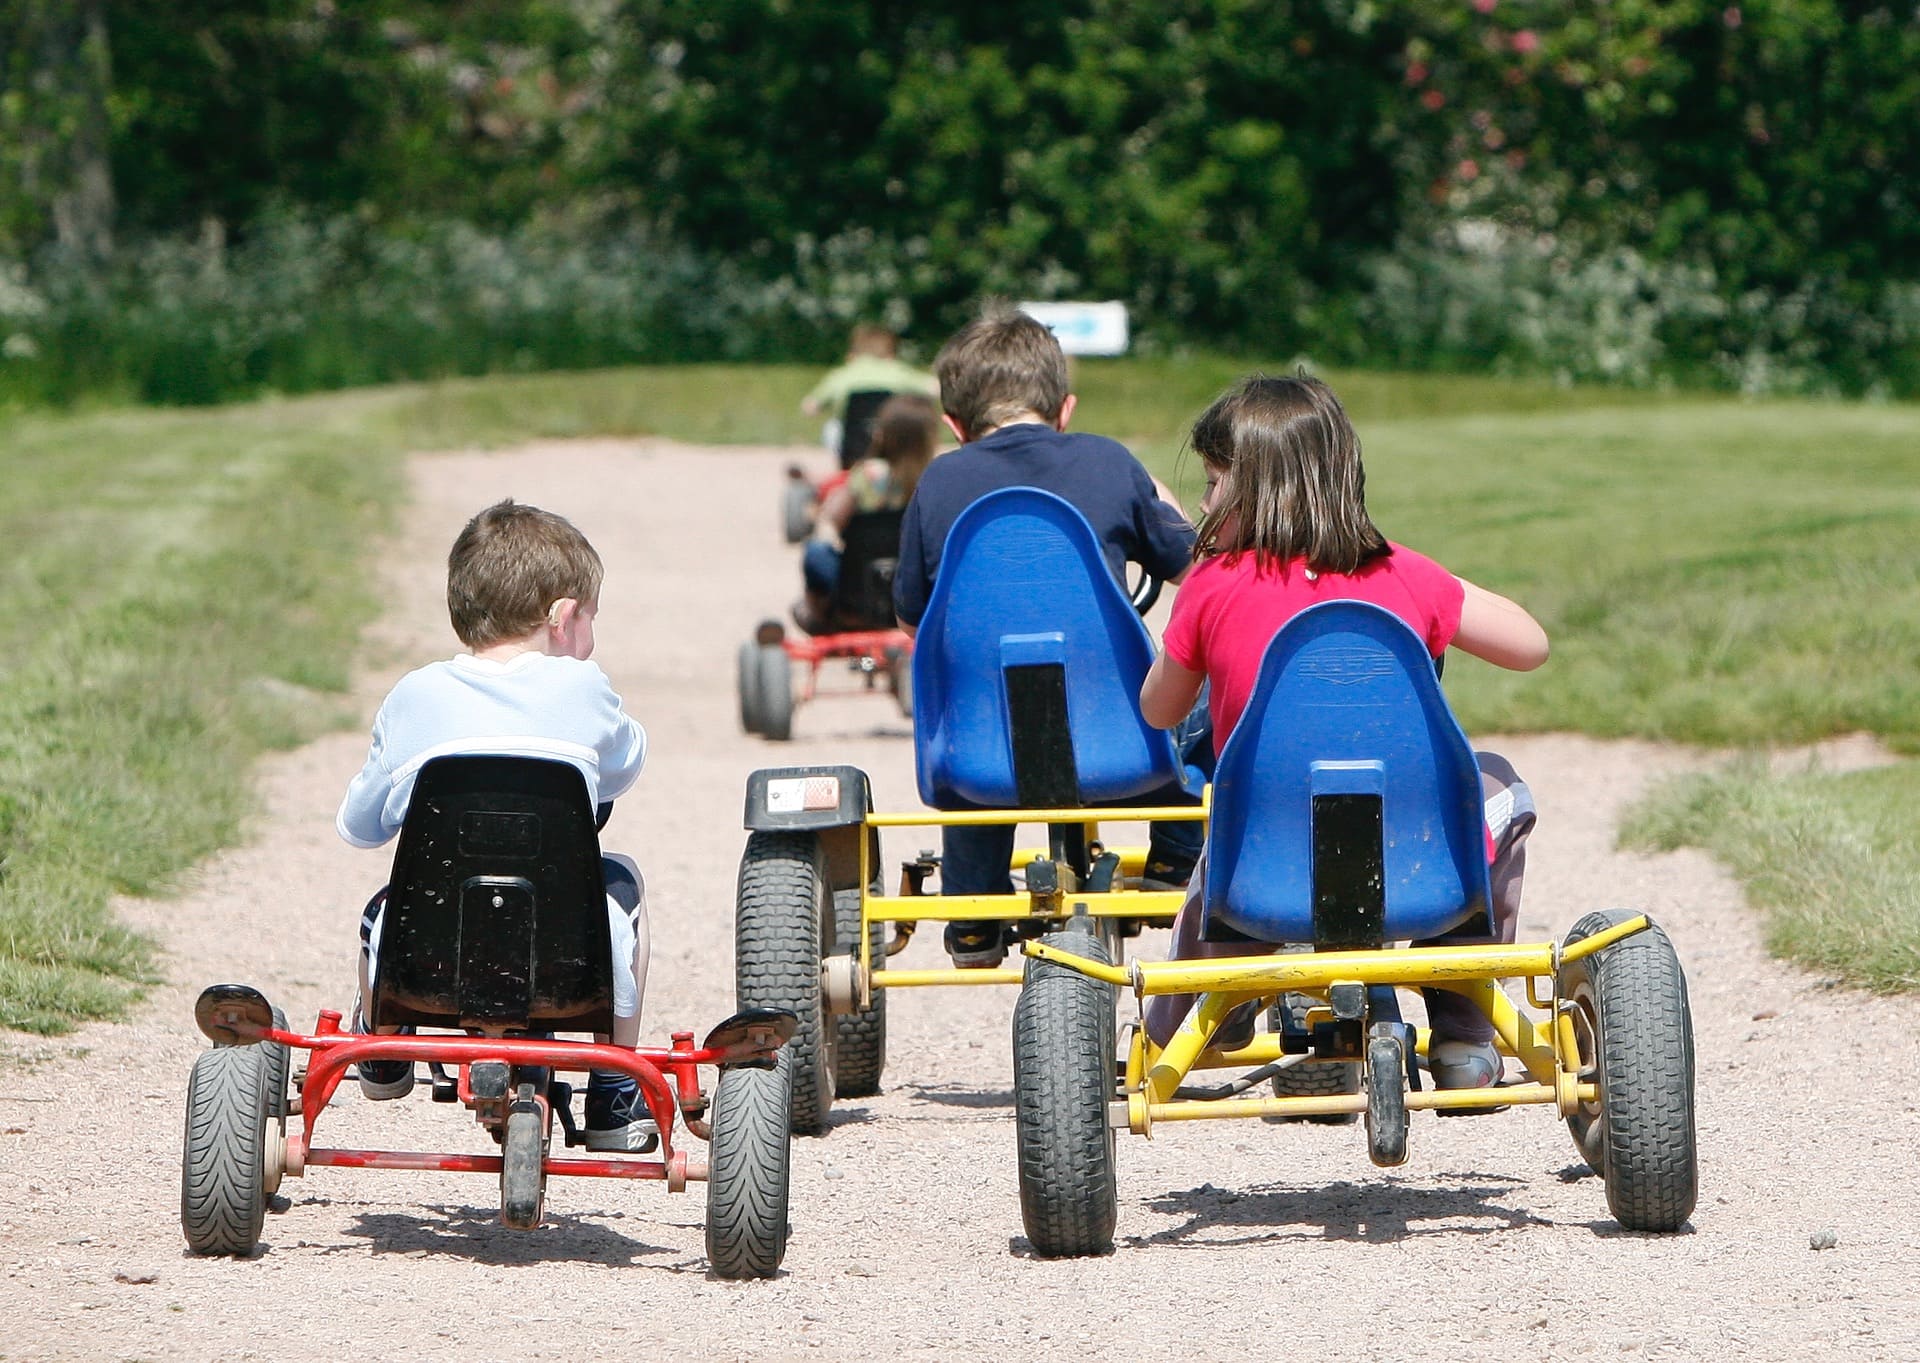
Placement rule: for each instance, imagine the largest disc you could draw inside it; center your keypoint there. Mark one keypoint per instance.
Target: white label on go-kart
(796, 794)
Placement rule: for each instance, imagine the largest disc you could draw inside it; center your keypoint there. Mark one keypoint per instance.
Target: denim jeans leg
(975, 860)
(1178, 844)
(820, 567)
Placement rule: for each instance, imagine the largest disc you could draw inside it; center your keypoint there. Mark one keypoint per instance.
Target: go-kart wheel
(748, 1161)
(796, 509)
(900, 681)
(1319, 1079)
(223, 1192)
(1063, 1079)
(1386, 1080)
(523, 1168)
(861, 1038)
(773, 692)
(279, 1065)
(783, 913)
(1636, 1043)
(749, 683)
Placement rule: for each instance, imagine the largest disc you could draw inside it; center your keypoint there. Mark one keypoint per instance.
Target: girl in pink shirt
(1284, 526)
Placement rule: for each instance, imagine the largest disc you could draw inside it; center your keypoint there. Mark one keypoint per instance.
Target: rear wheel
(1635, 1028)
(783, 911)
(749, 683)
(1317, 1079)
(796, 510)
(773, 692)
(523, 1167)
(749, 1159)
(860, 1052)
(1063, 1068)
(223, 1192)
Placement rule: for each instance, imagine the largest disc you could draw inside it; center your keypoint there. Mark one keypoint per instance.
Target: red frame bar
(871, 644)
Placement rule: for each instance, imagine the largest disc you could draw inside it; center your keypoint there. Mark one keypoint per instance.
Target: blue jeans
(977, 860)
(820, 568)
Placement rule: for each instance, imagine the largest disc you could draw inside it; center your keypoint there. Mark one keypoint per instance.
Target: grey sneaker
(1464, 1064)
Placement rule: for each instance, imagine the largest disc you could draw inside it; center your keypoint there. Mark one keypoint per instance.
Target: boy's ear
(1067, 404)
(958, 432)
(560, 614)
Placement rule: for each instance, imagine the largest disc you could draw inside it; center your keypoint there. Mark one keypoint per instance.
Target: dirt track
(1238, 1239)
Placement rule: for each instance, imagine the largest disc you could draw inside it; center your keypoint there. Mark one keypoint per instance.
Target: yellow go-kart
(1346, 815)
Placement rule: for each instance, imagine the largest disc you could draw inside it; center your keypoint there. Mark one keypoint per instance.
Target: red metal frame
(669, 1080)
(878, 646)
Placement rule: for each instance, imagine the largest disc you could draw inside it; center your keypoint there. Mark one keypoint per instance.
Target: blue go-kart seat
(1027, 667)
(1347, 806)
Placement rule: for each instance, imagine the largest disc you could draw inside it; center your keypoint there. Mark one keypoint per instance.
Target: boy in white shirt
(523, 587)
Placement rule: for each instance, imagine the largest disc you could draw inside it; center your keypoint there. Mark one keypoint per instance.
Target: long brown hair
(1291, 481)
(906, 430)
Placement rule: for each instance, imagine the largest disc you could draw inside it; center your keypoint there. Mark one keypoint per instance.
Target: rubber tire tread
(778, 910)
(1647, 1145)
(861, 1051)
(750, 1159)
(1386, 1120)
(1063, 1079)
(279, 1066)
(900, 676)
(773, 688)
(796, 510)
(223, 1198)
(748, 683)
(523, 1171)
(1318, 1079)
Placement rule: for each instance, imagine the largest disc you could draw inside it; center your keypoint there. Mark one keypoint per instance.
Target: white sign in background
(1084, 328)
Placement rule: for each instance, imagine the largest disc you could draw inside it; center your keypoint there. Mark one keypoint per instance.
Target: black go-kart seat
(496, 914)
(863, 596)
(856, 427)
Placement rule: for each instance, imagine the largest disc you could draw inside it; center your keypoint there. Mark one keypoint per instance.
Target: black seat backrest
(856, 427)
(863, 596)
(496, 916)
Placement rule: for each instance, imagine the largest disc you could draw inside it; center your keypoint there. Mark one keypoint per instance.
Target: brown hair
(869, 339)
(509, 566)
(997, 367)
(1291, 479)
(906, 430)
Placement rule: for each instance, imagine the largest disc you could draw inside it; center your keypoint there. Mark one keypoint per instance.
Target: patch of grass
(1831, 859)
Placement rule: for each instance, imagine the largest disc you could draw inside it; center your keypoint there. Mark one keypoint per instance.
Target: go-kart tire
(223, 1192)
(1386, 1087)
(860, 1051)
(523, 1169)
(773, 692)
(796, 510)
(749, 684)
(1063, 1079)
(1640, 1136)
(783, 914)
(1318, 1079)
(749, 1158)
(900, 681)
(279, 1066)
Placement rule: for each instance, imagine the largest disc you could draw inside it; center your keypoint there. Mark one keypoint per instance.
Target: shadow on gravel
(952, 1095)
(475, 1234)
(1375, 1213)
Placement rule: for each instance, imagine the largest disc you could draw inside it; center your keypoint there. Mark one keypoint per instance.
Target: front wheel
(783, 912)
(773, 692)
(523, 1168)
(223, 1183)
(1063, 1057)
(749, 1161)
(1635, 1029)
(749, 686)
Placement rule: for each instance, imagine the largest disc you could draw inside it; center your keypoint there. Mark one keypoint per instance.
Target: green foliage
(1830, 858)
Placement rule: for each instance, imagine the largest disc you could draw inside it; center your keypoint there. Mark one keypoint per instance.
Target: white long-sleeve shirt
(531, 705)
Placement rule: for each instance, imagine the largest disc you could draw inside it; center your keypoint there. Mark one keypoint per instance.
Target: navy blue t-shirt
(1092, 473)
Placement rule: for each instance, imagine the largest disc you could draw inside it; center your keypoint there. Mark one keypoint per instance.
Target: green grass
(1831, 859)
(180, 587)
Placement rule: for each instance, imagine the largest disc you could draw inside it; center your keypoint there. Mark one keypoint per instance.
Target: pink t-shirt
(1230, 607)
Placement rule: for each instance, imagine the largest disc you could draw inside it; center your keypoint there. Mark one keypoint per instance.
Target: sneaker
(976, 946)
(1464, 1064)
(617, 1119)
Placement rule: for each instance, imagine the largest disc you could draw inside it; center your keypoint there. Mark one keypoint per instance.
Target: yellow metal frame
(1548, 1050)
(1153, 906)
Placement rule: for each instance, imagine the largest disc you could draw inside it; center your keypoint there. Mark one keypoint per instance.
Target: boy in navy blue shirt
(1004, 391)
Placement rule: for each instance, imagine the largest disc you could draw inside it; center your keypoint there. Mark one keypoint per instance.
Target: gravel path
(1243, 1238)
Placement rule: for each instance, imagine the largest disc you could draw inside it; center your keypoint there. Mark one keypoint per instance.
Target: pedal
(446, 1088)
(560, 1099)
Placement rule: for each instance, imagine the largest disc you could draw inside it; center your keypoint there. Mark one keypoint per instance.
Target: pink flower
(1485, 6)
(1525, 41)
(1730, 16)
(1434, 100)
(1468, 170)
(1516, 160)
(1416, 72)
